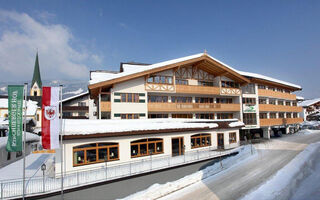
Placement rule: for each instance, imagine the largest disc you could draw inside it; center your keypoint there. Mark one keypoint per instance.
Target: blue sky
(275, 38)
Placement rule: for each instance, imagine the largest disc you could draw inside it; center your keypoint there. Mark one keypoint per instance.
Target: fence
(46, 184)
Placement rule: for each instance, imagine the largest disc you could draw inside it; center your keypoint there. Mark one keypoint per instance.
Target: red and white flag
(50, 117)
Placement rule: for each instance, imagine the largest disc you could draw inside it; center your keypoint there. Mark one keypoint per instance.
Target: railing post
(77, 178)
(1, 185)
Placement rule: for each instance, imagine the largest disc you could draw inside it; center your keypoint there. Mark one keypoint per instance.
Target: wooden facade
(276, 94)
(279, 108)
(280, 121)
(193, 107)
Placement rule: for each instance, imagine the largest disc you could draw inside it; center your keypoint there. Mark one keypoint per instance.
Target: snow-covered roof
(310, 102)
(86, 127)
(75, 96)
(30, 137)
(129, 69)
(259, 76)
(103, 76)
(32, 106)
(299, 98)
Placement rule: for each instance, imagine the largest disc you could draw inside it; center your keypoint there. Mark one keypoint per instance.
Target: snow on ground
(33, 164)
(157, 191)
(286, 181)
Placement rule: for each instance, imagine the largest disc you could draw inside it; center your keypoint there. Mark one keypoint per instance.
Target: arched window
(146, 147)
(200, 140)
(95, 153)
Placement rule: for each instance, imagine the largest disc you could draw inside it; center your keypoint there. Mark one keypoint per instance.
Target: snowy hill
(70, 87)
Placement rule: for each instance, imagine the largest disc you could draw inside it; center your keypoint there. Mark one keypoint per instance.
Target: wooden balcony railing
(279, 108)
(73, 108)
(197, 89)
(280, 121)
(105, 106)
(276, 94)
(192, 107)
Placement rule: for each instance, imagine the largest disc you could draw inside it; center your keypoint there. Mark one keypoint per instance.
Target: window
(67, 114)
(181, 82)
(232, 137)
(249, 89)
(263, 116)
(224, 116)
(229, 84)
(295, 115)
(272, 101)
(273, 115)
(287, 91)
(263, 87)
(205, 116)
(200, 140)
(272, 88)
(160, 79)
(95, 153)
(158, 116)
(159, 99)
(204, 100)
(288, 115)
(281, 115)
(280, 90)
(224, 100)
(280, 102)
(262, 101)
(146, 147)
(129, 116)
(35, 93)
(178, 99)
(205, 83)
(294, 103)
(249, 118)
(129, 97)
(186, 116)
(105, 115)
(249, 101)
(288, 103)
(81, 103)
(82, 114)
(9, 156)
(105, 97)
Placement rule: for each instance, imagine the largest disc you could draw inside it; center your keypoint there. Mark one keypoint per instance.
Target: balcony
(280, 121)
(197, 89)
(192, 107)
(279, 108)
(105, 106)
(75, 108)
(275, 94)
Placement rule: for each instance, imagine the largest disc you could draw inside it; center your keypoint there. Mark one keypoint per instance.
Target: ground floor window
(189, 116)
(200, 140)
(232, 137)
(95, 153)
(105, 115)
(146, 147)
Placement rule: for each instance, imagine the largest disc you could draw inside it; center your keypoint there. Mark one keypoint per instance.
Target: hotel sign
(249, 108)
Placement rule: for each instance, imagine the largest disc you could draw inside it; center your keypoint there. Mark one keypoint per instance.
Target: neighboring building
(36, 84)
(92, 143)
(32, 143)
(311, 109)
(197, 86)
(78, 107)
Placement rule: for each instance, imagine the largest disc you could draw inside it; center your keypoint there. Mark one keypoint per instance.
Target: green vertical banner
(15, 103)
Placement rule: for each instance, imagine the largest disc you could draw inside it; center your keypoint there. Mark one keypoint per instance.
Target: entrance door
(177, 146)
(220, 140)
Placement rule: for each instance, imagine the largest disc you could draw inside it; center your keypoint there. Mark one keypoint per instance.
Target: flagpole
(61, 144)
(24, 139)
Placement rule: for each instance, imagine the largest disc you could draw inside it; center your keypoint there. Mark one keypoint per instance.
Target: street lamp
(43, 168)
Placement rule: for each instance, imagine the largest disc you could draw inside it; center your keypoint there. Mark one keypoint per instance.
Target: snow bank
(159, 190)
(308, 132)
(80, 127)
(285, 182)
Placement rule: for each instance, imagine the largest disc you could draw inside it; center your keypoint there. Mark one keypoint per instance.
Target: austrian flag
(50, 118)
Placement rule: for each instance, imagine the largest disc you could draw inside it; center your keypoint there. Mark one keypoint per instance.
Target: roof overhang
(275, 84)
(204, 62)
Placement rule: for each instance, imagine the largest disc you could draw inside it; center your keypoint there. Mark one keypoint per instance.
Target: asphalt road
(124, 188)
(238, 181)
